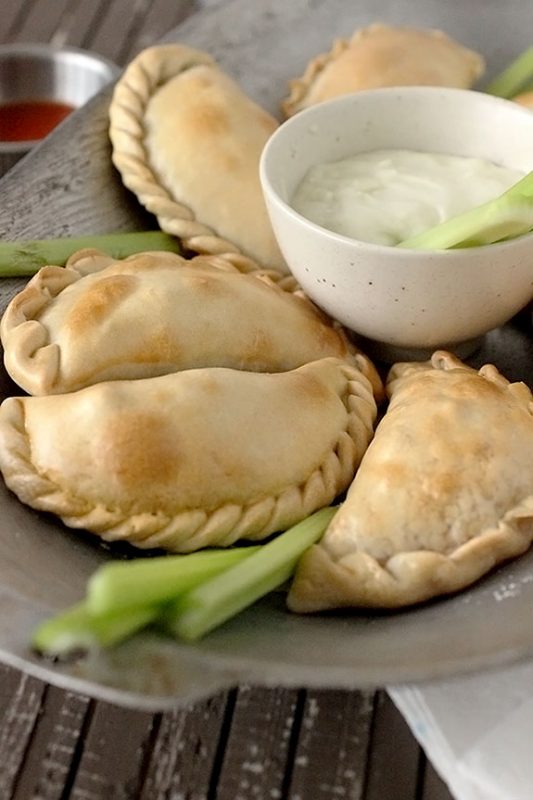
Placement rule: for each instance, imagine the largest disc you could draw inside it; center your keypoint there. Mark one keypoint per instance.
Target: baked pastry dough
(381, 55)
(524, 99)
(197, 458)
(102, 319)
(443, 494)
(187, 141)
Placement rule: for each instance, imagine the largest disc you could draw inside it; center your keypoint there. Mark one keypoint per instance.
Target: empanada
(381, 55)
(197, 458)
(187, 141)
(443, 494)
(102, 319)
(524, 99)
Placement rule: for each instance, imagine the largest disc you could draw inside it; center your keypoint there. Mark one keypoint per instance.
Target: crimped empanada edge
(299, 87)
(359, 580)
(30, 358)
(34, 362)
(129, 102)
(192, 529)
(443, 361)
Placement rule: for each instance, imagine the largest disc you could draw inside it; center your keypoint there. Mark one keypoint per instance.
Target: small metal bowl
(40, 72)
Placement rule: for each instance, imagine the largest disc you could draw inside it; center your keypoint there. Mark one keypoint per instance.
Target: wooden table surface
(249, 743)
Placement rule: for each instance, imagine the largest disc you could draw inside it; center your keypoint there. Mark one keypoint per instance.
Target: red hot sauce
(30, 120)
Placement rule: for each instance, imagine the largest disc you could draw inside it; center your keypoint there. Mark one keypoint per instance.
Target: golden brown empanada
(524, 99)
(192, 459)
(381, 55)
(103, 319)
(187, 141)
(443, 494)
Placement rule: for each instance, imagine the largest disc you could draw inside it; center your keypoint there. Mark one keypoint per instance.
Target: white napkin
(477, 731)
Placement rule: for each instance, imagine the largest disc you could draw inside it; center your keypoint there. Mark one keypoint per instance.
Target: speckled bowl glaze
(405, 303)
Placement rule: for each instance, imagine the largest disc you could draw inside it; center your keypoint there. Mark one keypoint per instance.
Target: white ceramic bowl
(405, 302)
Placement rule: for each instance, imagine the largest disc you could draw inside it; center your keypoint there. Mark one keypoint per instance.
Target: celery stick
(19, 259)
(511, 80)
(77, 629)
(210, 604)
(505, 217)
(120, 585)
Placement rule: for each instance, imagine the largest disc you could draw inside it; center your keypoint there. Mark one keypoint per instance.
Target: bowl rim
(48, 51)
(312, 111)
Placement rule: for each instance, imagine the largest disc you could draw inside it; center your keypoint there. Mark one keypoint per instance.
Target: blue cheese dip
(386, 196)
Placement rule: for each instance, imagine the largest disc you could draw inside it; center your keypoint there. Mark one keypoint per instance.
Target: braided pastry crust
(381, 55)
(150, 314)
(443, 494)
(197, 458)
(187, 141)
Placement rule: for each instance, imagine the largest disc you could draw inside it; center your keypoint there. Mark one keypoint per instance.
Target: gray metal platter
(67, 187)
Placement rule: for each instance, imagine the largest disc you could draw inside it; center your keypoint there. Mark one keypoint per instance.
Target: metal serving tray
(66, 187)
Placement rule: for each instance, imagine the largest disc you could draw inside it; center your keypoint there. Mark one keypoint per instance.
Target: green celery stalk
(21, 259)
(210, 604)
(514, 77)
(77, 628)
(119, 585)
(190, 594)
(505, 217)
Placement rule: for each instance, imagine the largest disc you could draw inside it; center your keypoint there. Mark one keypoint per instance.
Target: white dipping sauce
(386, 196)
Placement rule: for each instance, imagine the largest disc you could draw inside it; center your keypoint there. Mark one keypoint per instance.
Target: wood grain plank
(76, 22)
(331, 753)
(83, 20)
(184, 751)
(259, 745)
(9, 679)
(12, 18)
(41, 20)
(118, 23)
(51, 754)
(159, 17)
(434, 787)
(59, 191)
(20, 703)
(112, 759)
(393, 770)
